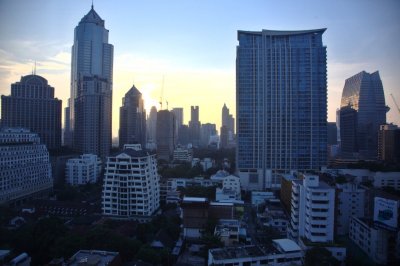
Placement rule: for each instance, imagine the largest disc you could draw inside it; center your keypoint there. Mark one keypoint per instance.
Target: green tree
(320, 256)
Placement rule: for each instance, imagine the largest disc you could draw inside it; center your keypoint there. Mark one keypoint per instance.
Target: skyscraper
(206, 131)
(194, 126)
(178, 112)
(348, 131)
(152, 125)
(364, 93)
(32, 105)
(281, 103)
(91, 87)
(132, 119)
(228, 120)
(166, 139)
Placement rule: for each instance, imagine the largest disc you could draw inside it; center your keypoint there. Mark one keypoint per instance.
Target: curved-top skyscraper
(90, 104)
(363, 92)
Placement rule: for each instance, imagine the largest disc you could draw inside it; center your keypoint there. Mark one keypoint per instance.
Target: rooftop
(93, 257)
(237, 252)
(287, 245)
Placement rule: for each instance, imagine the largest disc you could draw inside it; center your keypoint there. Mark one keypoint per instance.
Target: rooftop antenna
(92, 4)
(34, 72)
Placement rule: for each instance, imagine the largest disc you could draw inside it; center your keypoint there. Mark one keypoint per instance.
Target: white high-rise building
(131, 186)
(83, 170)
(25, 169)
(90, 101)
(313, 208)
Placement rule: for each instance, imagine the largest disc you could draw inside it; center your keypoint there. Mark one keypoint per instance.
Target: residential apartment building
(312, 211)
(350, 201)
(131, 186)
(281, 99)
(83, 170)
(24, 166)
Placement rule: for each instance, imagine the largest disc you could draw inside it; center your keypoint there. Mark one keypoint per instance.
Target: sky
(185, 51)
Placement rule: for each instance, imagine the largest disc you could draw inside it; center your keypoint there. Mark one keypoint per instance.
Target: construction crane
(394, 100)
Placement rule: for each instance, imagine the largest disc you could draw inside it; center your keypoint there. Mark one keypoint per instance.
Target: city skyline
(193, 47)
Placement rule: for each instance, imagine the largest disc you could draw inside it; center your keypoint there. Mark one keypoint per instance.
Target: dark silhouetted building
(178, 112)
(332, 133)
(194, 126)
(224, 135)
(348, 131)
(389, 143)
(32, 105)
(152, 125)
(166, 140)
(132, 119)
(364, 93)
(183, 135)
(206, 131)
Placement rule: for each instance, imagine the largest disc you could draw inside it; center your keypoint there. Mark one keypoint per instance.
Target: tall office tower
(228, 120)
(223, 143)
(348, 131)
(183, 135)
(91, 87)
(332, 133)
(152, 125)
(194, 126)
(24, 165)
(312, 210)
(131, 186)
(32, 105)
(389, 143)
(364, 93)
(132, 119)
(281, 105)
(206, 131)
(178, 112)
(166, 139)
(67, 141)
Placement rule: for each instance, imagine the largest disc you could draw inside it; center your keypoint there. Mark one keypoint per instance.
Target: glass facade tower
(281, 103)
(364, 93)
(91, 87)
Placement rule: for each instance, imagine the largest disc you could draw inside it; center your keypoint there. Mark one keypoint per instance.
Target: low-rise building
(228, 231)
(260, 197)
(281, 252)
(183, 155)
(94, 257)
(205, 163)
(83, 170)
(387, 179)
(372, 240)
